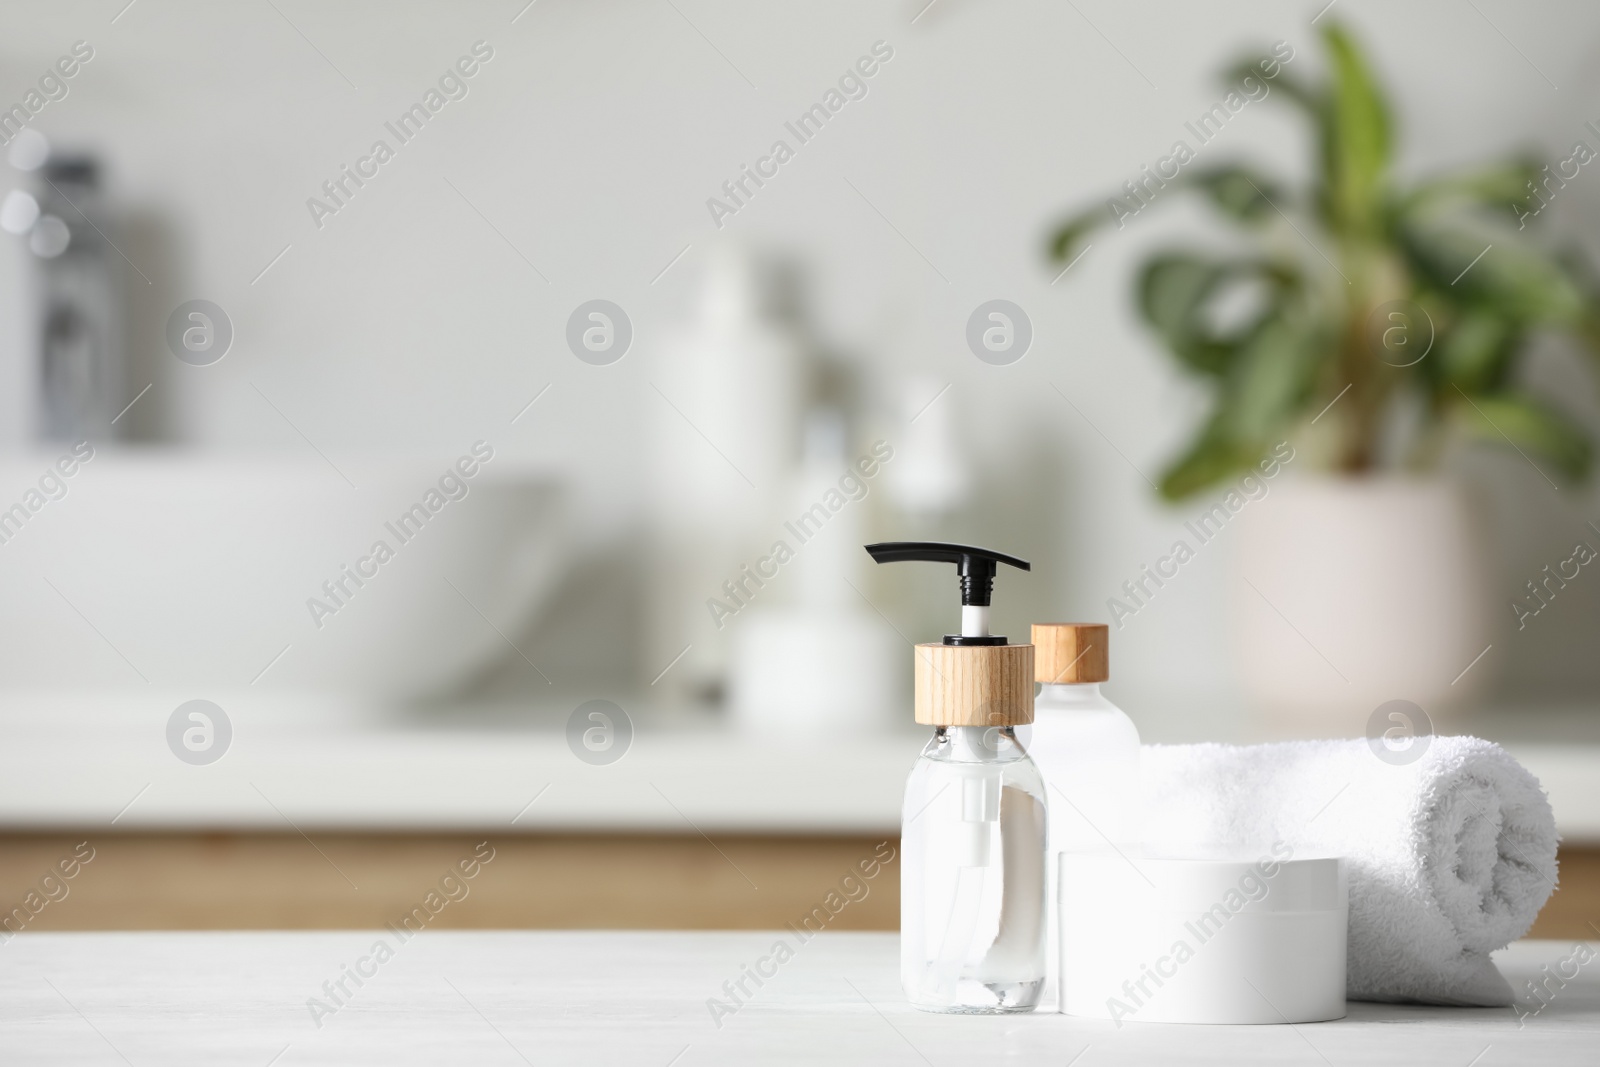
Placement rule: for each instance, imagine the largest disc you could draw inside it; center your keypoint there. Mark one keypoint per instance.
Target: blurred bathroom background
(561, 276)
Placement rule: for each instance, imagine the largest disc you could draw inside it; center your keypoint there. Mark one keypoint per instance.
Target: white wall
(592, 140)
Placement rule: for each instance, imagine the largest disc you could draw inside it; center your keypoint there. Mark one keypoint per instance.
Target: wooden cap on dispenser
(1071, 652)
(974, 685)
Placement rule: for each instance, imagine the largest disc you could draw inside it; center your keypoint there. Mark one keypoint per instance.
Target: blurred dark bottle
(81, 329)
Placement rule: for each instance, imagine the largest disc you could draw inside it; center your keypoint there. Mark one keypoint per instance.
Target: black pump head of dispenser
(974, 566)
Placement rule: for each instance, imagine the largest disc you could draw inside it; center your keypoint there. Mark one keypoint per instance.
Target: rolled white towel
(1450, 856)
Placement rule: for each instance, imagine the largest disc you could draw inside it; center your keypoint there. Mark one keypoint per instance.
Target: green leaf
(1265, 390)
(1475, 264)
(1271, 379)
(1212, 459)
(1237, 191)
(1502, 184)
(1526, 424)
(1356, 136)
(1178, 296)
(1586, 278)
(1065, 241)
(1173, 293)
(1284, 82)
(1475, 352)
(1240, 193)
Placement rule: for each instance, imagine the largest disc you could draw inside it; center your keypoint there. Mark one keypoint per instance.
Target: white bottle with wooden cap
(973, 830)
(1088, 751)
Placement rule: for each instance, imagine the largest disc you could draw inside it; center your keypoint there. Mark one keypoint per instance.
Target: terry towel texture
(1449, 857)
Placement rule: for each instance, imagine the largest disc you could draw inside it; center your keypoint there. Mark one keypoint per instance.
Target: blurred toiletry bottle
(724, 439)
(19, 377)
(62, 377)
(811, 658)
(932, 477)
(1088, 751)
(81, 331)
(973, 828)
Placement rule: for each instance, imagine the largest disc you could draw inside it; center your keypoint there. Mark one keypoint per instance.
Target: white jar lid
(1203, 938)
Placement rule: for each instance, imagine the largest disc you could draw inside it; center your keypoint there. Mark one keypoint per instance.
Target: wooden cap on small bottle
(1071, 652)
(974, 685)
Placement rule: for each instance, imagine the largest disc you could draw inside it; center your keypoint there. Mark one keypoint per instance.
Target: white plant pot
(1350, 593)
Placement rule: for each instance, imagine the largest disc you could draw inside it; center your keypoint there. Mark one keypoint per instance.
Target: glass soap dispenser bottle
(973, 831)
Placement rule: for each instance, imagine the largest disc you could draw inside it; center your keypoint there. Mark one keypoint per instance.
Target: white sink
(190, 572)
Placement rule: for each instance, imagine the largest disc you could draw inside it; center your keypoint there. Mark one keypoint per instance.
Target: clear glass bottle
(972, 883)
(973, 829)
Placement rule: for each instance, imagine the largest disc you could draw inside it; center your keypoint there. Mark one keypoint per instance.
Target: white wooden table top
(589, 998)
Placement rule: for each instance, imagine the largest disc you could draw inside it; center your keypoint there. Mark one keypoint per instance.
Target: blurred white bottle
(931, 477)
(819, 659)
(723, 445)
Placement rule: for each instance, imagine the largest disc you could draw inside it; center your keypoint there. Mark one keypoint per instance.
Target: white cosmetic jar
(1234, 937)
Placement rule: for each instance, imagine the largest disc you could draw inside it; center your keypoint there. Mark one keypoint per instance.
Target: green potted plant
(1371, 323)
